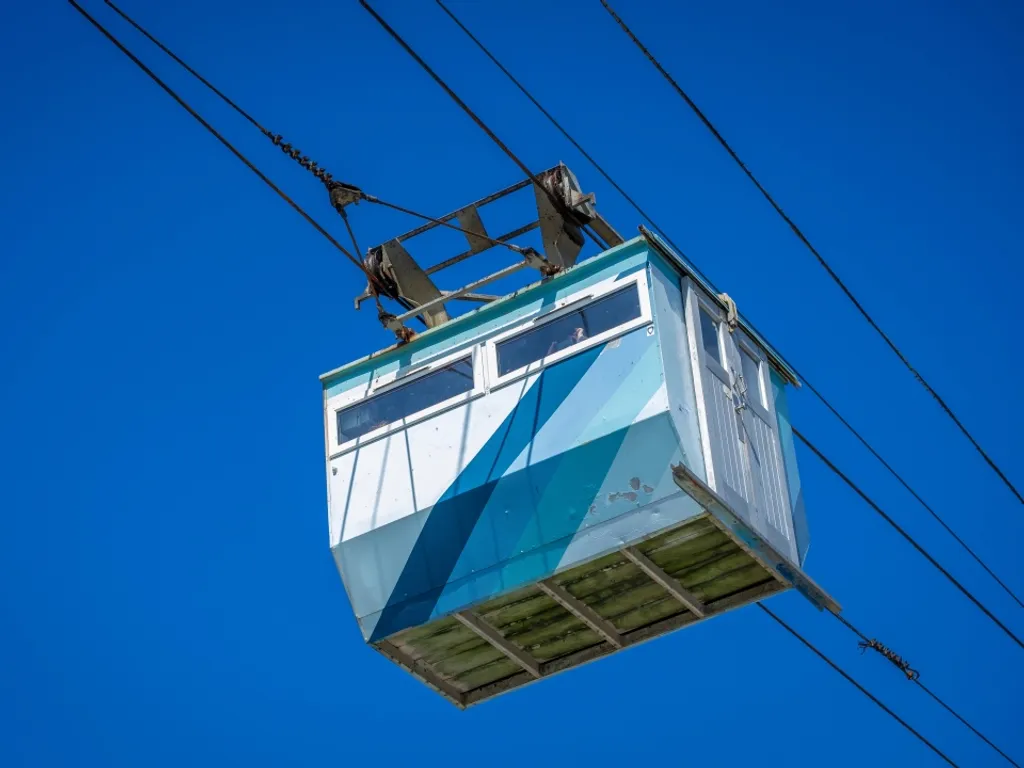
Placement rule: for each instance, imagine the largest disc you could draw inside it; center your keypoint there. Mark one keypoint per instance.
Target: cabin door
(728, 471)
(768, 484)
(739, 414)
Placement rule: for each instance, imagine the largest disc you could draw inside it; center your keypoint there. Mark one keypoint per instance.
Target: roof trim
(579, 270)
(774, 357)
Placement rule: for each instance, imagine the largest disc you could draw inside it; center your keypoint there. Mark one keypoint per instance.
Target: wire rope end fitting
(344, 194)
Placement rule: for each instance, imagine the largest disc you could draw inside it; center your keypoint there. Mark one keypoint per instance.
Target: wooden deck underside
(684, 575)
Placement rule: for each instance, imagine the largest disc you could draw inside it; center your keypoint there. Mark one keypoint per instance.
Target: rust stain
(628, 495)
(636, 484)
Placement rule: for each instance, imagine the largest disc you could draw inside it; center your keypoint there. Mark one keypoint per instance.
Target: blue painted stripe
(455, 515)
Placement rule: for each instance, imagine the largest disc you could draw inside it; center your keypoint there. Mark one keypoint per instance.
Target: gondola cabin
(593, 461)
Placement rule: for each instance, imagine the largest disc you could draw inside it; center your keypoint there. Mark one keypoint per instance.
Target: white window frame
(567, 305)
(694, 300)
(722, 364)
(764, 405)
(384, 383)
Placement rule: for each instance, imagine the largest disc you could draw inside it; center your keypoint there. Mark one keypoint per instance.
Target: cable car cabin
(593, 461)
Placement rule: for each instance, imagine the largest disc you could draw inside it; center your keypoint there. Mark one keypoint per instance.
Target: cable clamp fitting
(344, 194)
(892, 656)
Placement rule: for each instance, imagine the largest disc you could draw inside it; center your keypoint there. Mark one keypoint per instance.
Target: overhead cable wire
(910, 539)
(914, 677)
(977, 558)
(814, 251)
(320, 173)
(852, 681)
(669, 241)
(224, 141)
(455, 97)
(547, 114)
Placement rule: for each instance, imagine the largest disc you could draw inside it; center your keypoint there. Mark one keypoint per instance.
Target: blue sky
(167, 589)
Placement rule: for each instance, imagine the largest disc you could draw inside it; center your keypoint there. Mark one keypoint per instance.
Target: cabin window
(751, 376)
(405, 400)
(570, 329)
(709, 335)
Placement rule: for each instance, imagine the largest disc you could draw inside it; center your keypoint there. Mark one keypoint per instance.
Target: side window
(752, 376)
(405, 400)
(709, 336)
(597, 317)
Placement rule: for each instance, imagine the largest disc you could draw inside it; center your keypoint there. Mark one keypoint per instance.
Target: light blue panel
(578, 510)
(629, 528)
(471, 327)
(670, 323)
(454, 516)
(639, 476)
(796, 494)
(371, 564)
(628, 524)
(606, 400)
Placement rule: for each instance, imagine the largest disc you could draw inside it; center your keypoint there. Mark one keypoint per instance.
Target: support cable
(821, 259)
(342, 193)
(472, 115)
(913, 676)
(853, 682)
(910, 539)
(225, 142)
(678, 250)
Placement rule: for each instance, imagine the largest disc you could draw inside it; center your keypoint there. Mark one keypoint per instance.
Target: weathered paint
(529, 476)
(755, 544)
(697, 557)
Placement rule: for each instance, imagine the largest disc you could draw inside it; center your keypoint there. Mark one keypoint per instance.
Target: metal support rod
(476, 204)
(467, 254)
(461, 292)
(480, 298)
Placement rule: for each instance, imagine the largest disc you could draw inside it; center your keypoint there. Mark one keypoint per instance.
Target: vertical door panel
(767, 472)
(724, 427)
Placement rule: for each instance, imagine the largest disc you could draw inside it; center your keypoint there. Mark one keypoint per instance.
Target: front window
(595, 318)
(405, 400)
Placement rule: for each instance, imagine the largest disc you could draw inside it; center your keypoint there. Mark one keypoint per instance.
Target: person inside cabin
(577, 335)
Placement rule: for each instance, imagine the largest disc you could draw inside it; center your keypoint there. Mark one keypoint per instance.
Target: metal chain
(895, 658)
(296, 154)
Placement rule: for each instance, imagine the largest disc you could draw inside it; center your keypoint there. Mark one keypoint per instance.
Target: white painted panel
(771, 476)
(372, 486)
(725, 438)
(670, 320)
(391, 478)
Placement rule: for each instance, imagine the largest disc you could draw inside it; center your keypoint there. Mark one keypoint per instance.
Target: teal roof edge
(666, 251)
(579, 271)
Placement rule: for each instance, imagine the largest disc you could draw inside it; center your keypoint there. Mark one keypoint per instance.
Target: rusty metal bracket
(732, 315)
(563, 211)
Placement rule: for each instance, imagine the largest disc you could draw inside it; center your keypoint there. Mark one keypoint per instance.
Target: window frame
(381, 385)
(763, 405)
(716, 314)
(571, 303)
